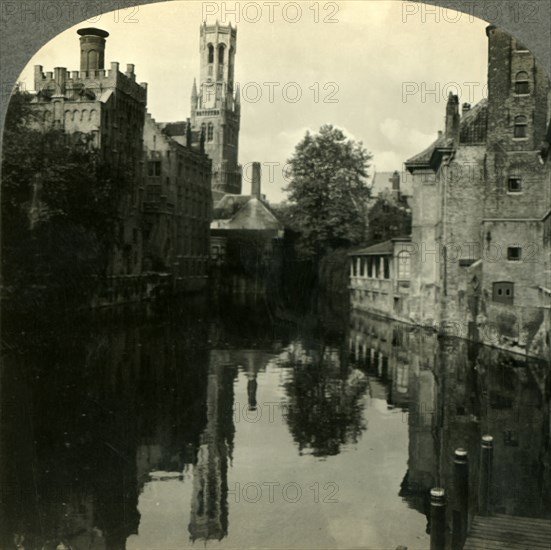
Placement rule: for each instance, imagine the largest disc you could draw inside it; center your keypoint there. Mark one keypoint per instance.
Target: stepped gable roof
(175, 128)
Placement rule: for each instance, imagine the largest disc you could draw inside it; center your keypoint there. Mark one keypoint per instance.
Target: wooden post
(437, 519)
(485, 475)
(461, 498)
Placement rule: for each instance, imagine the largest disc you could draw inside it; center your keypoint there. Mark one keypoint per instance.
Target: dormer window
(522, 83)
(521, 127)
(514, 184)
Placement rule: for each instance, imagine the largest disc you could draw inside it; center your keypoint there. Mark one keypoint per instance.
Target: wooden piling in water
(485, 475)
(437, 519)
(461, 498)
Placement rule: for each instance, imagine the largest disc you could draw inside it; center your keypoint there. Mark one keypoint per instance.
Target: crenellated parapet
(76, 85)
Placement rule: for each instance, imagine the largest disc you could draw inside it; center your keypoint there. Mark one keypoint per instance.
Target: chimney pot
(92, 49)
(256, 180)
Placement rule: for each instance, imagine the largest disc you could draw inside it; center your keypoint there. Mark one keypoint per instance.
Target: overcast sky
(379, 62)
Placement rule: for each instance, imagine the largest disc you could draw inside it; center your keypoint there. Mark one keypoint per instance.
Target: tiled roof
(383, 249)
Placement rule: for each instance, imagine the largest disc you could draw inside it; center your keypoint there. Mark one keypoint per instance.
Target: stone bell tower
(215, 105)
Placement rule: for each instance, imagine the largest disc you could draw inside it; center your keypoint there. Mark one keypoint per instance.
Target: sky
(380, 70)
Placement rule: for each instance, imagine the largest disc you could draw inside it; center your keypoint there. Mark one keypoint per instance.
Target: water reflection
(238, 427)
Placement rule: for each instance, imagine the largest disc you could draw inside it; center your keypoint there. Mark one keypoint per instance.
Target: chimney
(452, 117)
(255, 185)
(395, 181)
(92, 49)
(189, 138)
(466, 108)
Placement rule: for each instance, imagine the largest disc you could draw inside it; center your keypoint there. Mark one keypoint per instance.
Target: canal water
(246, 425)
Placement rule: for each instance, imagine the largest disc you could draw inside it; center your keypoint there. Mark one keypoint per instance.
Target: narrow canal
(248, 426)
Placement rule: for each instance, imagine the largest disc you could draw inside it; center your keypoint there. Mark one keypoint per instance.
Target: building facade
(177, 206)
(380, 278)
(109, 106)
(481, 210)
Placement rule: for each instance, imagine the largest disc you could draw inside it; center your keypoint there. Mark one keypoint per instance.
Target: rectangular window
(154, 168)
(386, 266)
(514, 185)
(514, 253)
(503, 292)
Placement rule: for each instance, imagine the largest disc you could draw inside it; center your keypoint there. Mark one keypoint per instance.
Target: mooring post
(485, 475)
(461, 498)
(437, 519)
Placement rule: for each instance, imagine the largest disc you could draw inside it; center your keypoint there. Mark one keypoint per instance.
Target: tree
(328, 190)
(389, 217)
(60, 206)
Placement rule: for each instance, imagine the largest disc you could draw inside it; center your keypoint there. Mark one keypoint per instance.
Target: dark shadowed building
(247, 239)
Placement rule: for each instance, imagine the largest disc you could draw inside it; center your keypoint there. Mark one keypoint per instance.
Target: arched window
(404, 265)
(221, 54)
(211, 53)
(522, 83)
(210, 132)
(521, 123)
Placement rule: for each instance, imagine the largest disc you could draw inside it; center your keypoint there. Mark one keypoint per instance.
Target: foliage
(328, 190)
(388, 218)
(60, 206)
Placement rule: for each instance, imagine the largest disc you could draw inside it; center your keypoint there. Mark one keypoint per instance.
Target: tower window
(503, 292)
(211, 53)
(522, 84)
(521, 124)
(514, 253)
(221, 54)
(210, 132)
(514, 184)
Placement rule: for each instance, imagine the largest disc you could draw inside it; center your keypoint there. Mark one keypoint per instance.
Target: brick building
(177, 205)
(110, 106)
(481, 209)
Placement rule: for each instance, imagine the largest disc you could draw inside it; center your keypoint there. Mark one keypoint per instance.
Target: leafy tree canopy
(328, 190)
(60, 204)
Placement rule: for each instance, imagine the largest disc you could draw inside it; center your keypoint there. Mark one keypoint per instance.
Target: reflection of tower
(209, 505)
(215, 106)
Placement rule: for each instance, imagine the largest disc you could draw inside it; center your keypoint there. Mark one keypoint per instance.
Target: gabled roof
(423, 159)
(245, 212)
(472, 130)
(228, 205)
